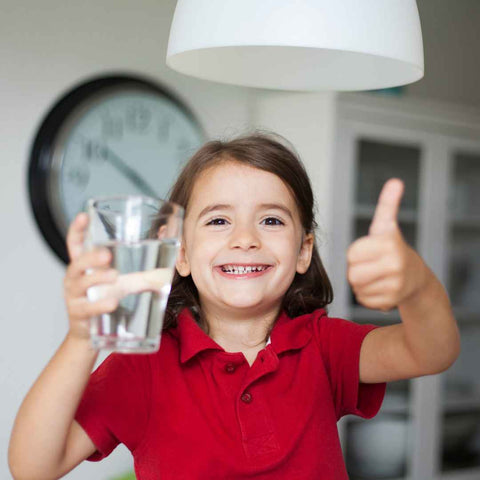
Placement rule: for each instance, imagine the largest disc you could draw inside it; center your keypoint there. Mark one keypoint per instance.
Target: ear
(162, 232)
(305, 254)
(182, 264)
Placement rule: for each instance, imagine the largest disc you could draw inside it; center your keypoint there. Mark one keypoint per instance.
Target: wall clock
(110, 135)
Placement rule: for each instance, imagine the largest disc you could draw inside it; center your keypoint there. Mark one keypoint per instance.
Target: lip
(243, 276)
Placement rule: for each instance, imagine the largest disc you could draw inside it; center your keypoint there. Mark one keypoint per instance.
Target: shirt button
(246, 397)
(229, 367)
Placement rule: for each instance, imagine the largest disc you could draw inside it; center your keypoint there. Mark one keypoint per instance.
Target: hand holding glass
(143, 235)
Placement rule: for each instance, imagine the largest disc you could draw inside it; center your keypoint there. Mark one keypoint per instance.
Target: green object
(392, 92)
(126, 476)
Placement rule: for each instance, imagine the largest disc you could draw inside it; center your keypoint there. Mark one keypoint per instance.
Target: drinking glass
(143, 235)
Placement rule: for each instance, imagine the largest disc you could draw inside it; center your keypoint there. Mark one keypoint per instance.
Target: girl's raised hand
(110, 286)
(383, 269)
(77, 281)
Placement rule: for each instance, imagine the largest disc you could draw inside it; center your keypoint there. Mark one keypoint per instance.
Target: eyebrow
(264, 206)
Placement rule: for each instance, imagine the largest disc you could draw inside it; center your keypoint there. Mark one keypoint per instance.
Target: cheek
(201, 250)
(288, 246)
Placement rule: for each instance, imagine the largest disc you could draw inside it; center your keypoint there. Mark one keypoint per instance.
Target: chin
(247, 306)
(243, 305)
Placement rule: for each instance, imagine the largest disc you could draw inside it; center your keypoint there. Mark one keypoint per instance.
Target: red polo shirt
(194, 411)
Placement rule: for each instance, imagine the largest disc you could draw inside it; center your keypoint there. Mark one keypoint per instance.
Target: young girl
(252, 375)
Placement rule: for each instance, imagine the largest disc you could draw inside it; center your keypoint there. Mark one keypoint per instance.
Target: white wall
(307, 120)
(46, 47)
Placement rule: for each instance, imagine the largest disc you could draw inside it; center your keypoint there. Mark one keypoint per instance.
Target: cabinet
(428, 428)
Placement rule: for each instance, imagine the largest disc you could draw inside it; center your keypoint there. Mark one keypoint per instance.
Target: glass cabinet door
(461, 386)
(376, 163)
(379, 448)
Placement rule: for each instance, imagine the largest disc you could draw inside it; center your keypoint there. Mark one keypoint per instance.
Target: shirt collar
(287, 334)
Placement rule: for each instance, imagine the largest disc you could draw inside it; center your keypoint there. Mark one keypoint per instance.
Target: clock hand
(129, 172)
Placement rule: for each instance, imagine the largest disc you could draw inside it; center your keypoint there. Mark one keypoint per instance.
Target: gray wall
(452, 48)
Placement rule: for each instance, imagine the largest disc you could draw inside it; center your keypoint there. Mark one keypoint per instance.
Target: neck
(244, 333)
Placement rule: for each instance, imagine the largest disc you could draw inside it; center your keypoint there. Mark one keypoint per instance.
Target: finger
(377, 302)
(388, 205)
(386, 286)
(132, 283)
(96, 258)
(76, 235)
(361, 275)
(151, 280)
(83, 309)
(79, 287)
(369, 249)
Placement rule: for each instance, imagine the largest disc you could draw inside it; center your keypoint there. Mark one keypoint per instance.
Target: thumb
(76, 236)
(386, 211)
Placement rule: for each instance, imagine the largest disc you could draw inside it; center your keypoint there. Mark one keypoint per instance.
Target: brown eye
(217, 221)
(272, 221)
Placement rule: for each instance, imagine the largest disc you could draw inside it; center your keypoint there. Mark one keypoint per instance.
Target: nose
(245, 237)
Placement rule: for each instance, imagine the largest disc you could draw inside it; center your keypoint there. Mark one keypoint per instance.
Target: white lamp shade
(298, 44)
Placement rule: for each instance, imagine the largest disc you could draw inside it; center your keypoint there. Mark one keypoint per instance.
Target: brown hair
(266, 152)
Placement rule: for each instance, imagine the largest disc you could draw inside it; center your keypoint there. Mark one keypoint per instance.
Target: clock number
(78, 176)
(94, 151)
(112, 126)
(138, 118)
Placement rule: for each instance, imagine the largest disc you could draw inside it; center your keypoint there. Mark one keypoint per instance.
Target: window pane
(378, 161)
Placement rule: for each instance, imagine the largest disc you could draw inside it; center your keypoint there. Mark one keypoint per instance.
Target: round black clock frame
(41, 153)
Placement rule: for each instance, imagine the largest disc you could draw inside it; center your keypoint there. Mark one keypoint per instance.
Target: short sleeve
(340, 342)
(115, 405)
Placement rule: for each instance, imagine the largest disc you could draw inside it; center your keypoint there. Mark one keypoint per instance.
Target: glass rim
(148, 199)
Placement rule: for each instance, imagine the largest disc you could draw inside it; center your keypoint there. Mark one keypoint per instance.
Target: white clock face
(125, 142)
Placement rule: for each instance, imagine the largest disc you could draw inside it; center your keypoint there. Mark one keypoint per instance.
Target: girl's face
(243, 240)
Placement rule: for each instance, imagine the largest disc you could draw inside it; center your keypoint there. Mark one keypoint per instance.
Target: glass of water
(143, 235)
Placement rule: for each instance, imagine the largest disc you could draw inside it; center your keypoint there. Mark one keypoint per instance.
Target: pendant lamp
(298, 44)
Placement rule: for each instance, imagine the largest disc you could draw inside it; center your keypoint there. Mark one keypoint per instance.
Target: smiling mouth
(243, 269)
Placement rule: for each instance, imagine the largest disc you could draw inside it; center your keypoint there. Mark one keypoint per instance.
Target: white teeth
(239, 270)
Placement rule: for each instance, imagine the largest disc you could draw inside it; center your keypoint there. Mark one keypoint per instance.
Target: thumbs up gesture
(383, 269)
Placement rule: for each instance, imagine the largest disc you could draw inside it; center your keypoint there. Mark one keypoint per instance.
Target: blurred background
(427, 133)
